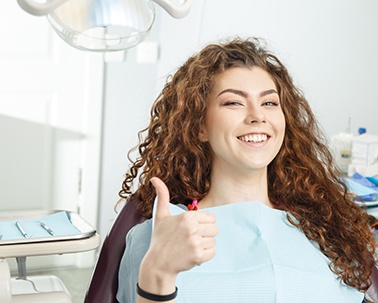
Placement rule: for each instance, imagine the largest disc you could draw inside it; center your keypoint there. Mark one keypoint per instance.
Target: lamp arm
(39, 9)
(176, 11)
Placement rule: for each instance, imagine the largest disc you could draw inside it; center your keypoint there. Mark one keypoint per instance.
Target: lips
(254, 138)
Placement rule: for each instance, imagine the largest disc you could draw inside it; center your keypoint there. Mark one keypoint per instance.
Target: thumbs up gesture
(179, 242)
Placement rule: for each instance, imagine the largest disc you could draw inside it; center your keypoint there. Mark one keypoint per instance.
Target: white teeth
(255, 138)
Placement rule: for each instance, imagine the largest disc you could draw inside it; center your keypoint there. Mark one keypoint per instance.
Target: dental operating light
(102, 25)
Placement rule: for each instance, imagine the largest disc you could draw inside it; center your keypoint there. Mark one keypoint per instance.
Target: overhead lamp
(103, 25)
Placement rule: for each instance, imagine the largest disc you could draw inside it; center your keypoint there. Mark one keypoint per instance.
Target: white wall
(129, 91)
(329, 47)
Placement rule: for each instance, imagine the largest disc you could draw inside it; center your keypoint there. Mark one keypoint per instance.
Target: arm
(178, 243)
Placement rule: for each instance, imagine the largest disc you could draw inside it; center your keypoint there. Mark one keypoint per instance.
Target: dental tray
(18, 227)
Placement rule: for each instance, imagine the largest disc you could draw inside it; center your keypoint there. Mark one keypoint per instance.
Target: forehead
(249, 79)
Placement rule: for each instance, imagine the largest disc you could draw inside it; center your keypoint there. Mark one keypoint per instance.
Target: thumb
(162, 192)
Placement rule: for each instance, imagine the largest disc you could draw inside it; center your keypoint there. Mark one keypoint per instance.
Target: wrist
(155, 280)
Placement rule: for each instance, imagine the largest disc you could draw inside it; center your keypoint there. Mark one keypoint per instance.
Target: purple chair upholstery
(104, 282)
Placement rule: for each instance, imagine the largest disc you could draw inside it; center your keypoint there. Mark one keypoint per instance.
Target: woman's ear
(202, 136)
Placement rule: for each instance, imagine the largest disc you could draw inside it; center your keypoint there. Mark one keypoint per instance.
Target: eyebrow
(244, 94)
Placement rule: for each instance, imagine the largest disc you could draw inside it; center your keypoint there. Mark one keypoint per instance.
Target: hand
(180, 242)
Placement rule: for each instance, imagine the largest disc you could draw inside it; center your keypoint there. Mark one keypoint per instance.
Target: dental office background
(69, 117)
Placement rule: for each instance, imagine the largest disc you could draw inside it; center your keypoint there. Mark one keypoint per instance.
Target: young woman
(232, 137)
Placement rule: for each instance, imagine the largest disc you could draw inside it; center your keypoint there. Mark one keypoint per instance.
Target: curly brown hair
(302, 179)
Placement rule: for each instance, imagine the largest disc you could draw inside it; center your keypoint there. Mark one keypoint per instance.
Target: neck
(227, 189)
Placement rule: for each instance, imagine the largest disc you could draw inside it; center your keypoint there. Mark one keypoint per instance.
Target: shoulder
(142, 230)
(138, 240)
(137, 243)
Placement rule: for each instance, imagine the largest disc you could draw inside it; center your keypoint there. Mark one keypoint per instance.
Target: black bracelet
(153, 297)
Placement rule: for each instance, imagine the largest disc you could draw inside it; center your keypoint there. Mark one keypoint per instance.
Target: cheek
(281, 121)
(213, 125)
(280, 126)
(283, 126)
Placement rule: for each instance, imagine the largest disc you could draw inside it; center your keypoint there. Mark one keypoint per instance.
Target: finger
(208, 230)
(162, 192)
(208, 243)
(204, 255)
(205, 217)
(209, 254)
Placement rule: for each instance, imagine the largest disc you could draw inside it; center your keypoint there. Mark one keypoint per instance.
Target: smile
(255, 138)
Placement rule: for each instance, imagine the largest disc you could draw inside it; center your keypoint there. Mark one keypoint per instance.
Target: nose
(255, 115)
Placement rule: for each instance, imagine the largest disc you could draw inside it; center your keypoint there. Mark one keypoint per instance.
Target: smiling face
(244, 124)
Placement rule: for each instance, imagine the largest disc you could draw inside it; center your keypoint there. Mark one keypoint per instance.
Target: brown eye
(270, 103)
(232, 103)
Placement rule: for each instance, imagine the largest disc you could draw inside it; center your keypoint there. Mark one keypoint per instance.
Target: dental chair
(104, 282)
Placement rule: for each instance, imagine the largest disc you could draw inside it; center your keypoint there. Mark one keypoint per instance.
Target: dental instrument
(48, 229)
(22, 231)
